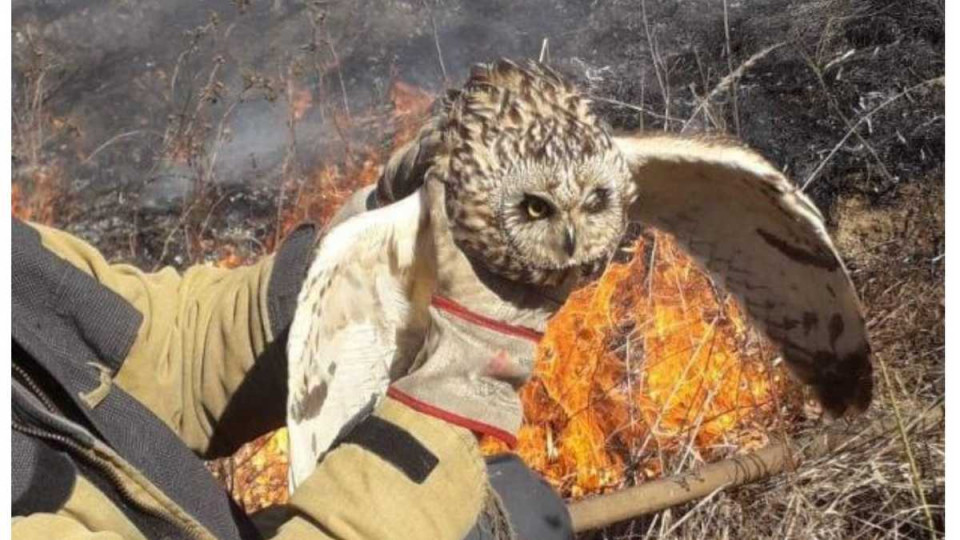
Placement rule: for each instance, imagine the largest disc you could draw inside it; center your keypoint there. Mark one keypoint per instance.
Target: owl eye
(597, 200)
(535, 207)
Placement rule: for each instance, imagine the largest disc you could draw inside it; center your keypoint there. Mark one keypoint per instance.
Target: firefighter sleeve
(209, 356)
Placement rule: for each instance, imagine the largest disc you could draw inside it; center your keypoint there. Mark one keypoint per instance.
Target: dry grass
(869, 489)
(893, 242)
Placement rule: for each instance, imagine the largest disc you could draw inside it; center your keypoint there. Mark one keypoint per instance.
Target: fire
(410, 105)
(256, 474)
(642, 369)
(640, 374)
(318, 198)
(301, 103)
(230, 258)
(36, 196)
(320, 194)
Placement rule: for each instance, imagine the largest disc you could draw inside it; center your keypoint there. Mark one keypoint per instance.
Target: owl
(538, 192)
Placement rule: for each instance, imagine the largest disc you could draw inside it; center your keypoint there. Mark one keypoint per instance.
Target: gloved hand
(482, 337)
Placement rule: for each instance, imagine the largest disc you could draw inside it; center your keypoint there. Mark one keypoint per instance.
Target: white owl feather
(356, 299)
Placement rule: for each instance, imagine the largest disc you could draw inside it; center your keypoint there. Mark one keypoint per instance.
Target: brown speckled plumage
(515, 131)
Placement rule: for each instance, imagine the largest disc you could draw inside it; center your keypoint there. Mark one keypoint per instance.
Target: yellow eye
(536, 207)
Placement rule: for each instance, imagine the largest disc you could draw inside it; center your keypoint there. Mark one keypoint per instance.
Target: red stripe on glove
(445, 304)
(456, 419)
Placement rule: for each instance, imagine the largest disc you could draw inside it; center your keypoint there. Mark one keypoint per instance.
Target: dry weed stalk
(852, 128)
(799, 458)
(727, 82)
(659, 66)
(733, 82)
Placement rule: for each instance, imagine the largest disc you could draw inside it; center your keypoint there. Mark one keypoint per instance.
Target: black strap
(289, 269)
(394, 445)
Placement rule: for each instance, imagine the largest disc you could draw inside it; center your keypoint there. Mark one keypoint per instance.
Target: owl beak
(569, 241)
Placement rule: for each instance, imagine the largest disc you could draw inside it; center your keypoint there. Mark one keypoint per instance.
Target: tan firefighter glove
(481, 340)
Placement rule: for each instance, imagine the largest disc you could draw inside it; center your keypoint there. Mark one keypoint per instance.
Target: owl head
(535, 188)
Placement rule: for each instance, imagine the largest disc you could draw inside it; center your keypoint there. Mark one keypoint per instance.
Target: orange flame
(37, 197)
(301, 103)
(230, 258)
(639, 368)
(257, 477)
(639, 373)
(319, 196)
(410, 106)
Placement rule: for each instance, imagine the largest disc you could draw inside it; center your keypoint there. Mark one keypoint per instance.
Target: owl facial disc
(535, 187)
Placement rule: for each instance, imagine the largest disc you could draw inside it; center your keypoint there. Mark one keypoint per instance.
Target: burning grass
(642, 372)
(37, 196)
(866, 489)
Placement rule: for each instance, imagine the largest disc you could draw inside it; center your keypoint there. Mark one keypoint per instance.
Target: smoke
(162, 91)
(152, 97)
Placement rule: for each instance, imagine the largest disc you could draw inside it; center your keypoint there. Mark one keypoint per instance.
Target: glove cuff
(475, 426)
(447, 305)
(474, 365)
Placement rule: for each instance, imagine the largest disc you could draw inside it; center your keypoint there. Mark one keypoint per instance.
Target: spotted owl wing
(354, 312)
(404, 172)
(765, 241)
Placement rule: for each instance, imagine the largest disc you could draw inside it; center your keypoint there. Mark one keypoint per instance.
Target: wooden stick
(779, 456)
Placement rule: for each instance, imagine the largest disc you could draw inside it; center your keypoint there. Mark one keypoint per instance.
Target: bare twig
(195, 36)
(657, 64)
(37, 108)
(686, 515)
(110, 141)
(651, 268)
(731, 78)
(631, 106)
(653, 432)
(181, 224)
(738, 73)
(336, 63)
(206, 220)
(733, 82)
(289, 159)
(703, 104)
(214, 154)
(436, 42)
(643, 91)
(843, 117)
(862, 119)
